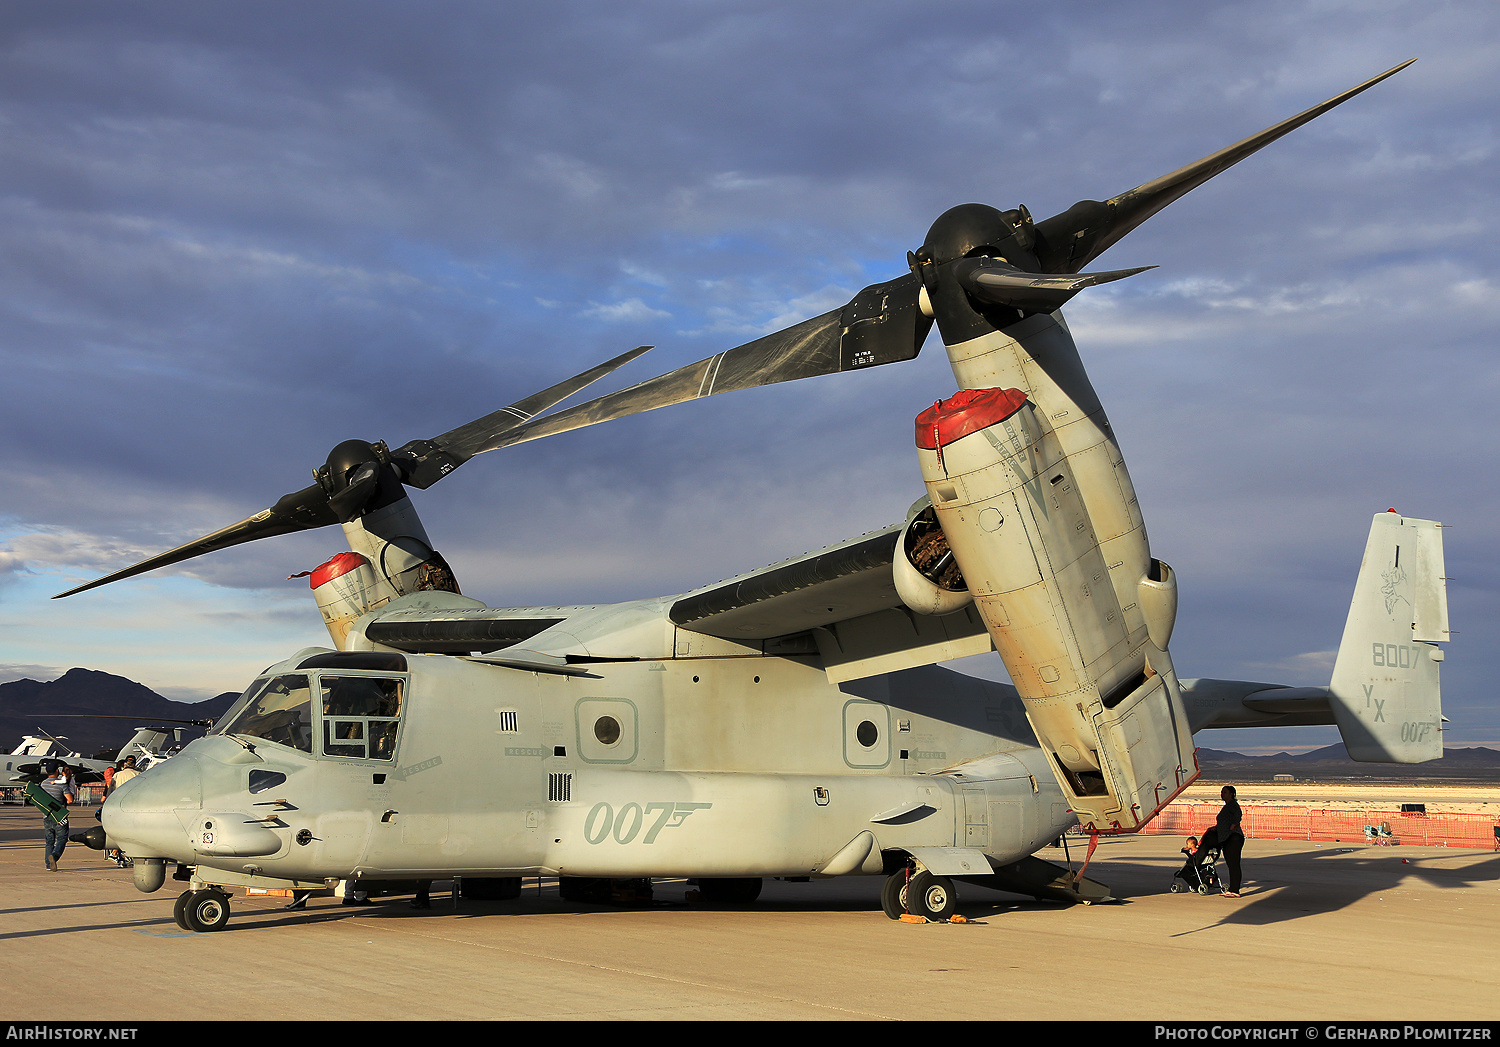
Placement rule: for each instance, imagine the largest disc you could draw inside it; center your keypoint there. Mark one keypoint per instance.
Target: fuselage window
(278, 710)
(261, 780)
(607, 730)
(360, 716)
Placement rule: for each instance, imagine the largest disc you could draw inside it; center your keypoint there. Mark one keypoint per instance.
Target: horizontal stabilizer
(1243, 703)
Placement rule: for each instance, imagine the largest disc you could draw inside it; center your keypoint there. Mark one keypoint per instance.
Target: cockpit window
(239, 704)
(279, 711)
(360, 716)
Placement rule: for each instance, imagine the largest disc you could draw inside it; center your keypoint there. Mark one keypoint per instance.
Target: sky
(234, 235)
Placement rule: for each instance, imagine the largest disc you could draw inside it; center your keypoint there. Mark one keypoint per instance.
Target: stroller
(1201, 871)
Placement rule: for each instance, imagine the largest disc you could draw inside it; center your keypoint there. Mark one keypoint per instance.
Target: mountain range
(74, 707)
(1332, 762)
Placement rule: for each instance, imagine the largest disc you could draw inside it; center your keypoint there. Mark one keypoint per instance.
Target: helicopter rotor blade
(299, 511)
(123, 716)
(882, 324)
(1004, 284)
(421, 463)
(1069, 241)
(424, 462)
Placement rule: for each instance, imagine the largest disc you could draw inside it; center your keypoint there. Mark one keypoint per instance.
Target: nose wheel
(206, 910)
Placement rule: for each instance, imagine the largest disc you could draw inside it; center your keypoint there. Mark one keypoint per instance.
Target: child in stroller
(1199, 873)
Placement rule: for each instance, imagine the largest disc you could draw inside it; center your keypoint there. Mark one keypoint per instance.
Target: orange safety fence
(1334, 824)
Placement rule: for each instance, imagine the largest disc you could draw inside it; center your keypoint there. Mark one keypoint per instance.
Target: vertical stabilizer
(1385, 692)
(147, 742)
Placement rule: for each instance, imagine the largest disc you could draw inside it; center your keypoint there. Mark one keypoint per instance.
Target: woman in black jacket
(1230, 838)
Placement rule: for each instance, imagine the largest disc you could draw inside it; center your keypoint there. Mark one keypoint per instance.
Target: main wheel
(932, 896)
(207, 910)
(1175, 887)
(179, 910)
(893, 894)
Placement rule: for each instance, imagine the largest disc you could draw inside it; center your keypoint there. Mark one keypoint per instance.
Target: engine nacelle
(926, 574)
(1158, 596)
(346, 587)
(390, 557)
(1103, 699)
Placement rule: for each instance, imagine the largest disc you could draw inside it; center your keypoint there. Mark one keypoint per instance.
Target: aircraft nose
(141, 816)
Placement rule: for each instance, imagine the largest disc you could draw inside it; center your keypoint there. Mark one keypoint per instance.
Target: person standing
(63, 790)
(1230, 838)
(126, 772)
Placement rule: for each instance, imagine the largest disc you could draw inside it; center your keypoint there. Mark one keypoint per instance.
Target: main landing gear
(918, 894)
(205, 910)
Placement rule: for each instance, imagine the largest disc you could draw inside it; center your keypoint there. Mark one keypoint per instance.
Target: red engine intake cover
(339, 566)
(966, 411)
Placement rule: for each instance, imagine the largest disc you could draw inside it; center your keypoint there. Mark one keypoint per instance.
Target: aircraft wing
(838, 602)
(845, 597)
(814, 590)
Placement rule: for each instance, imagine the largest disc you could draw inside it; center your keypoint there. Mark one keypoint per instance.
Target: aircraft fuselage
(637, 769)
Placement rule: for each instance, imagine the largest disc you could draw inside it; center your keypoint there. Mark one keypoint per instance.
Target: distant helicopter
(792, 721)
(26, 762)
(149, 745)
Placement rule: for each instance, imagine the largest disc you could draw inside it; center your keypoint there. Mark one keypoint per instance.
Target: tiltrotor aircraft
(790, 722)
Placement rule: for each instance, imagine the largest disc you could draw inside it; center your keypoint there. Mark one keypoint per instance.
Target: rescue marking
(401, 773)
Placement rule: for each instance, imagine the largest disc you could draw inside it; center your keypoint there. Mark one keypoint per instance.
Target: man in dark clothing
(59, 789)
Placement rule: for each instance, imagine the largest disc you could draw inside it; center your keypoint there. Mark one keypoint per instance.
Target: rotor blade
(1004, 284)
(122, 716)
(881, 324)
(50, 737)
(298, 511)
(1069, 241)
(425, 462)
(422, 463)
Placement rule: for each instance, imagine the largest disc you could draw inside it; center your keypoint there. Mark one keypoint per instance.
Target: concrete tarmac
(1323, 932)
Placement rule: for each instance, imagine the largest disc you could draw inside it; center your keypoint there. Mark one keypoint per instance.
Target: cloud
(11, 671)
(58, 549)
(632, 310)
(1309, 669)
